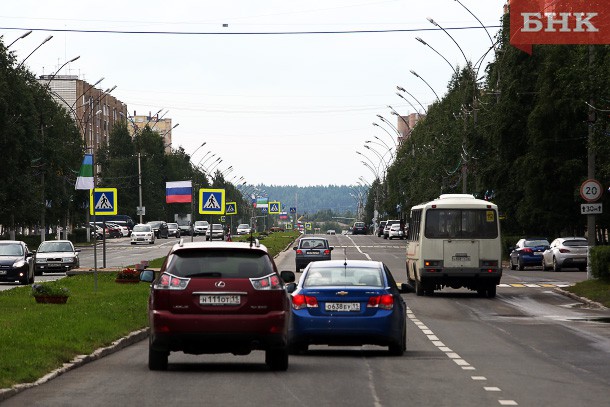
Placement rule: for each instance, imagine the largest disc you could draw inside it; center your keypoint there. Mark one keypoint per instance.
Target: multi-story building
(161, 125)
(406, 124)
(95, 111)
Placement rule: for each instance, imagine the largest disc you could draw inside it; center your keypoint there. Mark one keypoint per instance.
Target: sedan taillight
(385, 301)
(301, 301)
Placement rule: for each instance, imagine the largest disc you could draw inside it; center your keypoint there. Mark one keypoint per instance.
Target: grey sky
(280, 109)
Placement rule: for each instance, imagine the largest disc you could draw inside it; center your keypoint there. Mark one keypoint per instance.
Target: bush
(600, 262)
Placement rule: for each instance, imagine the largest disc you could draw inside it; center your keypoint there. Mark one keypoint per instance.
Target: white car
(56, 256)
(142, 233)
(243, 229)
(566, 252)
(201, 227)
(396, 232)
(215, 231)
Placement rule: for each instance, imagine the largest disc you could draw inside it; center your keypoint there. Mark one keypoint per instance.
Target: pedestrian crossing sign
(274, 207)
(231, 208)
(211, 201)
(103, 201)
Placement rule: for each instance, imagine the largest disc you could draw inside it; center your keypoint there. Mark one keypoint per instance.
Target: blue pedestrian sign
(103, 201)
(231, 208)
(211, 201)
(293, 209)
(274, 207)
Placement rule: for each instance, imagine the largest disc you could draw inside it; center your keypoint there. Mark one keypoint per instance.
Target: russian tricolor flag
(178, 192)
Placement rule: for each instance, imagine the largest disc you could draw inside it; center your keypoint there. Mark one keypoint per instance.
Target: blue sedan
(347, 303)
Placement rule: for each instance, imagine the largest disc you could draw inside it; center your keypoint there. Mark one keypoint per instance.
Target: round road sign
(591, 190)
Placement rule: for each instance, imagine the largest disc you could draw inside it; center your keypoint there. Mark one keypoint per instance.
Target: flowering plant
(51, 290)
(128, 274)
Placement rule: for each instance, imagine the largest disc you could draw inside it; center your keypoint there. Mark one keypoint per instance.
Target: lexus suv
(218, 297)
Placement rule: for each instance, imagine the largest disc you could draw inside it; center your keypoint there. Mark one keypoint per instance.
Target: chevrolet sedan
(347, 303)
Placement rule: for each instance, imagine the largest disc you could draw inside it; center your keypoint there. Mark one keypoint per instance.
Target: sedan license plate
(53, 265)
(2, 272)
(342, 306)
(313, 252)
(220, 299)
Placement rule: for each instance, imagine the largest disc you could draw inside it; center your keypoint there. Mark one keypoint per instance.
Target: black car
(380, 228)
(359, 228)
(310, 249)
(160, 229)
(16, 262)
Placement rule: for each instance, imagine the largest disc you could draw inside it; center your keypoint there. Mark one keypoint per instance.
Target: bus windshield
(461, 224)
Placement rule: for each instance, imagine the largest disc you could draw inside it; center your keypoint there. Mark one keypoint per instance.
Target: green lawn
(595, 290)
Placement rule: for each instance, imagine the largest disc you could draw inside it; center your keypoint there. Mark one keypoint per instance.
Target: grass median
(36, 339)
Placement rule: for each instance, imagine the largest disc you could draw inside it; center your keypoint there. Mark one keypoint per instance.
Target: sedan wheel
(512, 265)
(520, 265)
(556, 266)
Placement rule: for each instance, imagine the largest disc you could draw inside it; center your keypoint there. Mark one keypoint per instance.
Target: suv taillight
(171, 282)
(270, 282)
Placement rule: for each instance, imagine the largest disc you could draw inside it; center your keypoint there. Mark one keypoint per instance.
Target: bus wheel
(491, 291)
(419, 288)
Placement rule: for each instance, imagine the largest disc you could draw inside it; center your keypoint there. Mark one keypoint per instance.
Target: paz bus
(454, 241)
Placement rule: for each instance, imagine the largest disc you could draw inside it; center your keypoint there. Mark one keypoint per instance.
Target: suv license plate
(342, 306)
(219, 299)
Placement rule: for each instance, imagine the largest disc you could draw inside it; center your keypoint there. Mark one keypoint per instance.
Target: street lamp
(441, 55)
(372, 163)
(432, 89)
(407, 100)
(30, 54)
(18, 38)
(452, 39)
(197, 149)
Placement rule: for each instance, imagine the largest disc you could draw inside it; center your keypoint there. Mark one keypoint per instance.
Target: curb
(588, 302)
(79, 360)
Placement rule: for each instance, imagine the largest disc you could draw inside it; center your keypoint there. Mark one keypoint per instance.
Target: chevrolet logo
(342, 293)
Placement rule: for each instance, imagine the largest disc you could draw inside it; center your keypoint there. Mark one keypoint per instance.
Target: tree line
(520, 138)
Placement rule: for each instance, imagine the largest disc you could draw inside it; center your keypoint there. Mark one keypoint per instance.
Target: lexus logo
(219, 284)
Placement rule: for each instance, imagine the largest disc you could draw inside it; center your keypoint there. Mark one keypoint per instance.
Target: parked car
(528, 252)
(215, 231)
(347, 302)
(566, 252)
(396, 232)
(142, 233)
(359, 228)
(218, 298)
(173, 230)
(331, 232)
(185, 227)
(56, 256)
(16, 262)
(200, 227)
(388, 225)
(123, 229)
(159, 228)
(310, 249)
(380, 228)
(243, 229)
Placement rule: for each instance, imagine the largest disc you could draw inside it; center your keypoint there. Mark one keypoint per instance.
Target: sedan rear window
(215, 263)
(330, 276)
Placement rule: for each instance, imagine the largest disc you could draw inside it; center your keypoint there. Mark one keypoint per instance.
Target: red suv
(224, 297)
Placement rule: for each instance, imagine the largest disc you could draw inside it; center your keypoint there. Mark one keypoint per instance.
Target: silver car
(566, 252)
(56, 256)
(215, 231)
(142, 233)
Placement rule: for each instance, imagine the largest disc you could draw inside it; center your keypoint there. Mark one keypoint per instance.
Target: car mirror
(287, 276)
(295, 248)
(147, 275)
(77, 250)
(331, 247)
(291, 287)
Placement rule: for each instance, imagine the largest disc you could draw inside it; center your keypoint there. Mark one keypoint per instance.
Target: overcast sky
(281, 109)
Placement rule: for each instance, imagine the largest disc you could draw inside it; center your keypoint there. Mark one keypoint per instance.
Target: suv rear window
(215, 263)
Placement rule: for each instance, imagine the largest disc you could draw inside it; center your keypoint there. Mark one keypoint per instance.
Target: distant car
(243, 229)
(185, 227)
(215, 231)
(56, 256)
(123, 229)
(223, 297)
(359, 228)
(173, 230)
(380, 228)
(159, 228)
(310, 249)
(16, 262)
(347, 303)
(566, 252)
(331, 232)
(388, 225)
(200, 227)
(527, 253)
(142, 233)
(396, 232)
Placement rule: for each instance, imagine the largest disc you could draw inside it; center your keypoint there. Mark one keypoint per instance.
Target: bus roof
(457, 201)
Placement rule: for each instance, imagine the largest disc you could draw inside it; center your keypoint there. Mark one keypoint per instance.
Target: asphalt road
(530, 346)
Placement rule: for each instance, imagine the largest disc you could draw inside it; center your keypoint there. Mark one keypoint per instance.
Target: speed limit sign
(591, 190)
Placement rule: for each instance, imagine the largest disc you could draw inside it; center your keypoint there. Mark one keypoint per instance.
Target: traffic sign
(211, 201)
(274, 207)
(103, 201)
(231, 208)
(591, 190)
(307, 226)
(591, 209)
(293, 209)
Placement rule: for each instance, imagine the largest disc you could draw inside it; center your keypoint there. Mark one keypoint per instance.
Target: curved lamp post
(452, 39)
(407, 100)
(18, 38)
(455, 71)
(431, 88)
(30, 54)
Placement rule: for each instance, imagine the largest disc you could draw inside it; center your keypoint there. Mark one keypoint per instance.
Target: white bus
(454, 241)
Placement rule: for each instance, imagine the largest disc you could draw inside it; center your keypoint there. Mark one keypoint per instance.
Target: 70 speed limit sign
(591, 190)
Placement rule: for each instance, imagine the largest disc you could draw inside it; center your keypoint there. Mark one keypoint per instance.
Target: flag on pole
(85, 176)
(178, 192)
